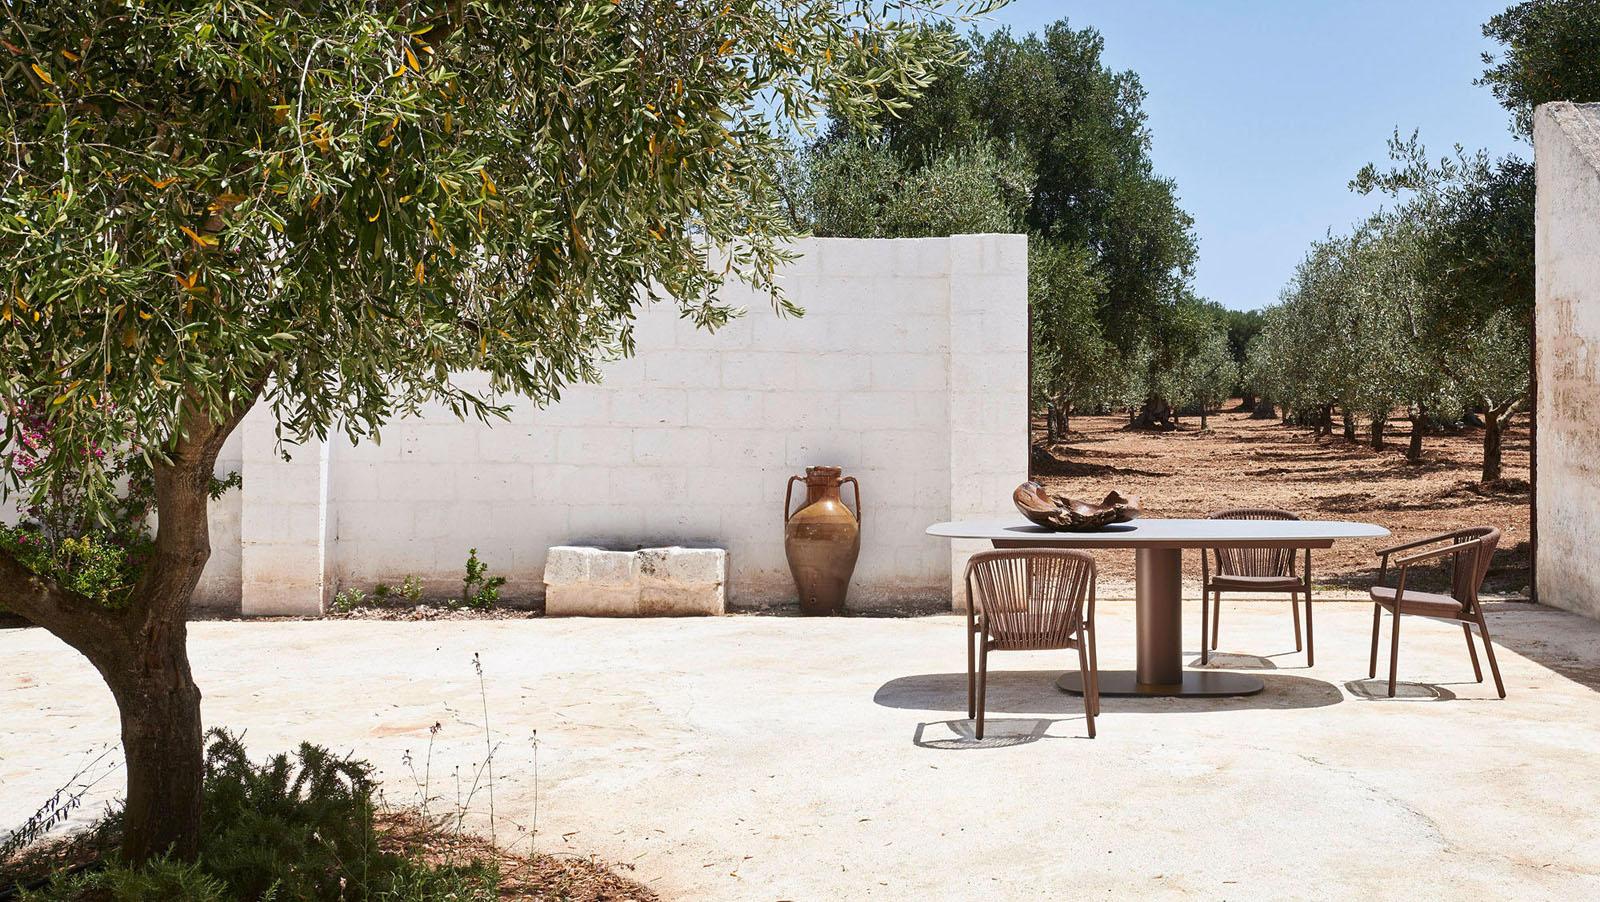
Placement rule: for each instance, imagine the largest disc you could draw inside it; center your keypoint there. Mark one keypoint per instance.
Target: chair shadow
(1222, 660)
(1000, 733)
(1377, 689)
(1035, 692)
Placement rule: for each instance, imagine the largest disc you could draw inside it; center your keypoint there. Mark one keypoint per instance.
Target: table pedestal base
(1196, 683)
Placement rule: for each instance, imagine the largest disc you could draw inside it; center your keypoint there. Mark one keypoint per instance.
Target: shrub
(347, 600)
(479, 591)
(161, 880)
(300, 830)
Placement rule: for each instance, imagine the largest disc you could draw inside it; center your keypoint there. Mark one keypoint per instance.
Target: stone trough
(582, 581)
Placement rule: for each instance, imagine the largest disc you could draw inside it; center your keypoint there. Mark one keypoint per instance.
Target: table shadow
(1035, 692)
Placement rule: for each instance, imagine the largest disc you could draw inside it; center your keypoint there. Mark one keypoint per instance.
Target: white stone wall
(1567, 249)
(909, 370)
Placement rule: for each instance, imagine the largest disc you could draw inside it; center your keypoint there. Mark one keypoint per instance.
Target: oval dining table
(1158, 546)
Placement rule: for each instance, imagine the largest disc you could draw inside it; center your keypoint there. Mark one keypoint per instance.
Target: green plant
(158, 880)
(347, 600)
(411, 590)
(300, 828)
(478, 590)
(304, 827)
(381, 593)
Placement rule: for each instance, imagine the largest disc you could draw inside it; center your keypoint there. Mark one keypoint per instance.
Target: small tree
(1204, 378)
(331, 207)
(1073, 364)
(1493, 373)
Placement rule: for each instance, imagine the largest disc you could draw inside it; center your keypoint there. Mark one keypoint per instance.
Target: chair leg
(1472, 650)
(972, 676)
(1094, 668)
(1088, 687)
(1311, 640)
(1377, 617)
(1488, 649)
(1294, 606)
(1394, 649)
(1205, 626)
(1216, 619)
(983, 687)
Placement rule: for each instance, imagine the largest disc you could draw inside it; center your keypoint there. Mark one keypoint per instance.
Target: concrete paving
(758, 757)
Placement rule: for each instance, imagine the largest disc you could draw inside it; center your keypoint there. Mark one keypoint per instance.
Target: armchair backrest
(1468, 568)
(1030, 598)
(1254, 561)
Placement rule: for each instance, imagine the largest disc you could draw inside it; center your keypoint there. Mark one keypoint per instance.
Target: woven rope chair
(1470, 551)
(1027, 600)
(1253, 570)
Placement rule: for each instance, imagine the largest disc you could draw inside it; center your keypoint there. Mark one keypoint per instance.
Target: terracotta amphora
(822, 540)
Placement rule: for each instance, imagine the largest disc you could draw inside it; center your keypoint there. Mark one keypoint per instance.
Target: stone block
(681, 601)
(583, 600)
(651, 582)
(682, 565)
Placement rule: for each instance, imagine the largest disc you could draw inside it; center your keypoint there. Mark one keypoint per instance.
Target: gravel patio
(763, 757)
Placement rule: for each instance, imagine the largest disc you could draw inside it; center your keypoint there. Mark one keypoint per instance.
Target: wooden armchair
(1026, 600)
(1470, 551)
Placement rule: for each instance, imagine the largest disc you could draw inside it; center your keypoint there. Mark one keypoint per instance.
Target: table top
(1166, 533)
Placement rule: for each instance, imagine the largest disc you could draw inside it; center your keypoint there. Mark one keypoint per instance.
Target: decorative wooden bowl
(1127, 505)
(1059, 513)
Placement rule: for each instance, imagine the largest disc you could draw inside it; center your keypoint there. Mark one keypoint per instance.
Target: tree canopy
(334, 207)
(1551, 52)
(1034, 134)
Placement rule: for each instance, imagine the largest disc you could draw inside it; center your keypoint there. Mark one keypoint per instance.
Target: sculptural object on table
(1059, 513)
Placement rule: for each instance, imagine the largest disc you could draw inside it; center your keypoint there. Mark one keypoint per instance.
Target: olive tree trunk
(1377, 432)
(141, 650)
(1414, 446)
(1492, 438)
(1156, 414)
(1494, 424)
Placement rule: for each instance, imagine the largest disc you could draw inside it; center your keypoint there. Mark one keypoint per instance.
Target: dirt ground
(1243, 462)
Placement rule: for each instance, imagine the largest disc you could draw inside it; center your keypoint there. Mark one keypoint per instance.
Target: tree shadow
(1048, 463)
(1508, 575)
(1035, 692)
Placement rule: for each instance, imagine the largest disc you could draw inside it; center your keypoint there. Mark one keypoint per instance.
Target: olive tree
(1203, 377)
(330, 208)
(1074, 365)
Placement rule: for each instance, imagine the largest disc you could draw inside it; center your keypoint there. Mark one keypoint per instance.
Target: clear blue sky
(1262, 110)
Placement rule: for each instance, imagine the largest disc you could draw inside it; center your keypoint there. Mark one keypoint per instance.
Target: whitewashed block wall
(909, 370)
(1566, 142)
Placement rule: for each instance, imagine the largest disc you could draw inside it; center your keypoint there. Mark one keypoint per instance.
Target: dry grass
(1240, 461)
(522, 877)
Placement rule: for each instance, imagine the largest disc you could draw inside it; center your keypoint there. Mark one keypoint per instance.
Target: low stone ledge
(580, 581)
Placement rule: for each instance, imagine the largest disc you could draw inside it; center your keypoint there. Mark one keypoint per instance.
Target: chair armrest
(1457, 548)
(1429, 540)
(1404, 563)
